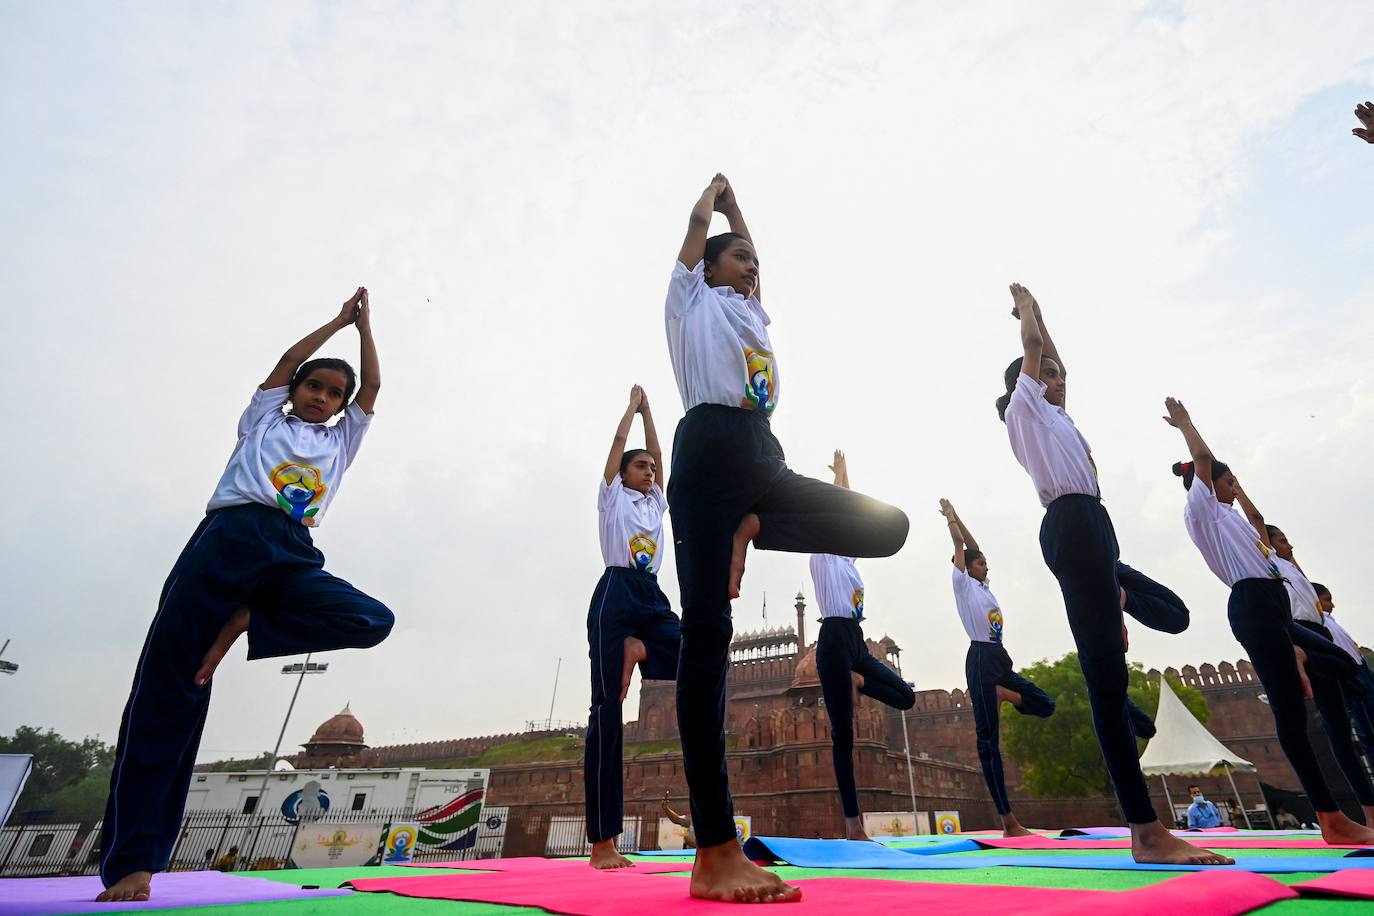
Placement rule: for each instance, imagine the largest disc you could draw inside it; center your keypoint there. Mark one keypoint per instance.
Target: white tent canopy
(1183, 746)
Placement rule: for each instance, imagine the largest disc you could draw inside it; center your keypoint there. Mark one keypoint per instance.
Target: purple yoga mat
(30, 896)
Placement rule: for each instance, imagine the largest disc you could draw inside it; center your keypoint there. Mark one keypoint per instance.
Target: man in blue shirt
(1202, 813)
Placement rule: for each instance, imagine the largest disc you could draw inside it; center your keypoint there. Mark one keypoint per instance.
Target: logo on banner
(946, 822)
(400, 844)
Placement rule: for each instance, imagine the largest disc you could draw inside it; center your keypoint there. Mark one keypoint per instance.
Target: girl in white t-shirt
(1359, 703)
(629, 621)
(842, 654)
(1237, 549)
(992, 679)
(250, 567)
(1079, 545)
(1330, 670)
(731, 485)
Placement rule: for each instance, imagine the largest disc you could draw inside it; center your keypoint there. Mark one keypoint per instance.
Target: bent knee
(380, 621)
(893, 527)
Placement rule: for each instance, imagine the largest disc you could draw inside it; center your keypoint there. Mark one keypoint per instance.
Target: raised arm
(1252, 514)
(622, 435)
(957, 533)
(1177, 416)
(841, 470)
(651, 440)
(672, 815)
(727, 206)
(303, 349)
(371, 380)
(699, 223)
(1032, 340)
(1365, 113)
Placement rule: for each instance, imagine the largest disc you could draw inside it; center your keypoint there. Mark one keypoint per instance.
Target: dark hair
(1320, 589)
(970, 555)
(1184, 469)
(717, 245)
(1196, 786)
(1009, 379)
(630, 455)
(1272, 530)
(326, 362)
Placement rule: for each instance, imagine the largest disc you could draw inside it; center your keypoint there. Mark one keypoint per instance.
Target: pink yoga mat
(527, 864)
(189, 888)
(1357, 884)
(624, 893)
(1206, 841)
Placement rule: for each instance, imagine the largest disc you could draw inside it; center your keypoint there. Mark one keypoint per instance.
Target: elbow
(370, 386)
(1033, 339)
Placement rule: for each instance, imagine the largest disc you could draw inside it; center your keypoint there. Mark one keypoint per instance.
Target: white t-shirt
(1230, 545)
(1048, 445)
(631, 525)
(1301, 594)
(978, 610)
(1343, 639)
(718, 342)
(287, 463)
(839, 588)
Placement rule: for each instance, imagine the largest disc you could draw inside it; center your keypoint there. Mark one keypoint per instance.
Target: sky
(189, 188)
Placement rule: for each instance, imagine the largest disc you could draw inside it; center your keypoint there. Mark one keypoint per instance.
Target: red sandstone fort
(779, 750)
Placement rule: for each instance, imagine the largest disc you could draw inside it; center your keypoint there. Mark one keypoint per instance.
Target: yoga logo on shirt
(299, 487)
(642, 552)
(995, 624)
(1273, 567)
(858, 600)
(761, 391)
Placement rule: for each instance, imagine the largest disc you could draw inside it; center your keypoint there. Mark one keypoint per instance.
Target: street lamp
(7, 667)
(301, 669)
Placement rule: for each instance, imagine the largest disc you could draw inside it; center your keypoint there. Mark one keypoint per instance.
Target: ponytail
(1185, 470)
(1009, 379)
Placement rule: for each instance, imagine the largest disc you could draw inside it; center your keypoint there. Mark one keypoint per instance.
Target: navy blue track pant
(1361, 709)
(1330, 702)
(986, 666)
(726, 464)
(841, 650)
(1261, 619)
(626, 602)
(253, 555)
(1080, 548)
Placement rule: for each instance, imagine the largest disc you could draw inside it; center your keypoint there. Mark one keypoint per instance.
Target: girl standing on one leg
(1359, 702)
(1328, 691)
(250, 566)
(992, 680)
(731, 485)
(629, 622)
(1237, 549)
(842, 654)
(1080, 548)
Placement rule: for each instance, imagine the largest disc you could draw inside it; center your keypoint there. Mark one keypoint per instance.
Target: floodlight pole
(272, 764)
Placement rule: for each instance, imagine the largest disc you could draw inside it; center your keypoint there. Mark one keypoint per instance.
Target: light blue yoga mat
(848, 854)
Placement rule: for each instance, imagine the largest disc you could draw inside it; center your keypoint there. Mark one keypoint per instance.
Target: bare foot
(1005, 695)
(1339, 830)
(133, 886)
(748, 529)
(233, 628)
(854, 829)
(1152, 844)
(723, 873)
(1012, 827)
(604, 855)
(634, 654)
(1302, 672)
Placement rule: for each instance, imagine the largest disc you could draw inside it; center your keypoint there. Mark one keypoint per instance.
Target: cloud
(202, 185)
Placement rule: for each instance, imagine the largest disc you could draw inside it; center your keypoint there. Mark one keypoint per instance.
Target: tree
(1059, 756)
(57, 762)
(237, 765)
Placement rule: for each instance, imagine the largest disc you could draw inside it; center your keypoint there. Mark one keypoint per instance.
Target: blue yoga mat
(936, 847)
(847, 854)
